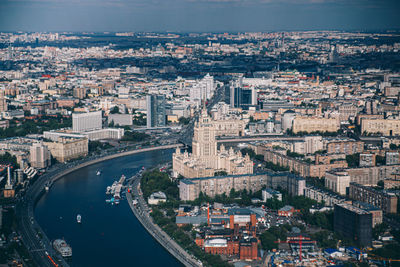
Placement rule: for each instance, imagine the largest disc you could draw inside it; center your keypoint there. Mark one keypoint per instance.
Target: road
(141, 211)
(32, 234)
(187, 131)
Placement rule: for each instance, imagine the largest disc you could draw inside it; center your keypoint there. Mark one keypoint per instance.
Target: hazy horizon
(198, 15)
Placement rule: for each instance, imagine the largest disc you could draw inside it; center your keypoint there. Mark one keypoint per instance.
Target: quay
(141, 213)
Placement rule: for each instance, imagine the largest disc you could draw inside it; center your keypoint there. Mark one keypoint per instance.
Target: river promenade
(32, 234)
(141, 211)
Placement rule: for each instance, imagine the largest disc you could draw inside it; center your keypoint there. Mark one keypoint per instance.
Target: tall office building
(155, 111)
(84, 122)
(243, 97)
(39, 156)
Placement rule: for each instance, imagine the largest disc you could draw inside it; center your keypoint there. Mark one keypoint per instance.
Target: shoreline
(38, 247)
(157, 233)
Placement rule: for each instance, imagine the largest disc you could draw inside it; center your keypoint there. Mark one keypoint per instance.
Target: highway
(32, 234)
(141, 211)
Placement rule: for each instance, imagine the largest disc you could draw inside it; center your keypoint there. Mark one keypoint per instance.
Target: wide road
(141, 211)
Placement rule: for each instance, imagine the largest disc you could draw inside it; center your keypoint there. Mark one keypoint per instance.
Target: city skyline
(198, 16)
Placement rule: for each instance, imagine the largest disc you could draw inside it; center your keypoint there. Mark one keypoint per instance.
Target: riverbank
(141, 213)
(32, 234)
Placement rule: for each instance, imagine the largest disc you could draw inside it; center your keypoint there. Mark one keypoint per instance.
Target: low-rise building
(66, 149)
(269, 193)
(315, 124)
(156, 198)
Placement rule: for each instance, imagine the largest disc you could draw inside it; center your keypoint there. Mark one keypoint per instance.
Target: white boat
(98, 173)
(62, 247)
(79, 218)
(242, 145)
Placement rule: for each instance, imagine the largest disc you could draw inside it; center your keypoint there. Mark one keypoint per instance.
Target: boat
(62, 247)
(98, 173)
(242, 145)
(79, 218)
(48, 185)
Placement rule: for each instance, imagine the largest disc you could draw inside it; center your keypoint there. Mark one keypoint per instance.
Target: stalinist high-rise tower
(206, 159)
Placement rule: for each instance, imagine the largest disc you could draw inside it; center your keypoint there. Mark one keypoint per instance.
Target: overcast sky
(198, 15)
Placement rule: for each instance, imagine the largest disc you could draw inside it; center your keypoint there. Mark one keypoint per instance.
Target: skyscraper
(155, 111)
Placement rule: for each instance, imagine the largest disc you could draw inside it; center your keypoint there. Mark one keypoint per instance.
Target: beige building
(3, 101)
(189, 189)
(206, 159)
(314, 124)
(301, 167)
(388, 127)
(345, 146)
(337, 181)
(79, 93)
(68, 148)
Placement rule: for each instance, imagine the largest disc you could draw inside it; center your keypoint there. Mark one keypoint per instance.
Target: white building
(268, 193)
(337, 181)
(84, 122)
(40, 156)
(120, 119)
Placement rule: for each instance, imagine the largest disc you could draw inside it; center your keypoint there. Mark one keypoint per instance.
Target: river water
(109, 235)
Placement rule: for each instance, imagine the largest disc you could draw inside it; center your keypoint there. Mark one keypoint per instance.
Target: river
(109, 235)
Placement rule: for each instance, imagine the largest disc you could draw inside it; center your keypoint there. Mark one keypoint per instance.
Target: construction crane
(376, 257)
(302, 239)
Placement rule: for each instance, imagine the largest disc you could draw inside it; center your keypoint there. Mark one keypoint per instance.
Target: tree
(380, 160)
(353, 160)
(183, 120)
(114, 110)
(248, 151)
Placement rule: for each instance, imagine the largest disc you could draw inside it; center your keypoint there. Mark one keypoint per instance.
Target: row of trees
(154, 181)
(37, 126)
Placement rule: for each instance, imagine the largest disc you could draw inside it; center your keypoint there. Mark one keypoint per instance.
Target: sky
(198, 15)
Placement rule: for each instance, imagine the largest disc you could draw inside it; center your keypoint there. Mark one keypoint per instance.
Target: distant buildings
(156, 114)
(314, 124)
